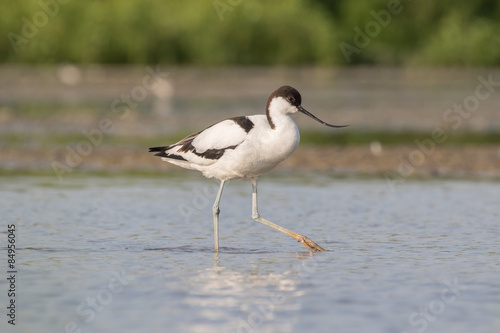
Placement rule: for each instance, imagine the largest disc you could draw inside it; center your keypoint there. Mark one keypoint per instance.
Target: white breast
(262, 149)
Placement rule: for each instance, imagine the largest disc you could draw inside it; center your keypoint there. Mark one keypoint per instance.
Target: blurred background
(86, 87)
(89, 86)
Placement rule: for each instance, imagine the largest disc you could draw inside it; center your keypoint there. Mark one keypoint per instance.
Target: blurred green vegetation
(251, 32)
(51, 140)
(397, 138)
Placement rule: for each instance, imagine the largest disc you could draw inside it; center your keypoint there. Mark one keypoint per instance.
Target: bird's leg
(216, 210)
(256, 216)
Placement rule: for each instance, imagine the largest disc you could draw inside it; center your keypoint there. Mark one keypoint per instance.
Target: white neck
(278, 113)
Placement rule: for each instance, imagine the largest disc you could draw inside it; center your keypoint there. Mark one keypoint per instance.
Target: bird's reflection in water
(246, 297)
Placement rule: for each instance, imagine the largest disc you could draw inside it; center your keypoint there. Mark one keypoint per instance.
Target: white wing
(206, 147)
(222, 135)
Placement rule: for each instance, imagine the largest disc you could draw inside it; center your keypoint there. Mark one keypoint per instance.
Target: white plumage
(244, 147)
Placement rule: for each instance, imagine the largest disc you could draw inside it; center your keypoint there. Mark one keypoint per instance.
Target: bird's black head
(290, 94)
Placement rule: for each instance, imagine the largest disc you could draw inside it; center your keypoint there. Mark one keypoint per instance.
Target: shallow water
(135, 255)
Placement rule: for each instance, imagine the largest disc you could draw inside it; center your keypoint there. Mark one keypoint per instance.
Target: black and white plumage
(244, 147)
(200, 151)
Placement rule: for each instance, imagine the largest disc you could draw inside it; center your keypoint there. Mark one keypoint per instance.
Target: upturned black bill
(304, 111)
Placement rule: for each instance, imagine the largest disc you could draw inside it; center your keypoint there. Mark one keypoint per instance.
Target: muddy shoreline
(399, 161)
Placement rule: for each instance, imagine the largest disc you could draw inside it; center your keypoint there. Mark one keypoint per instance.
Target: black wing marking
(162, 152)
(244, 122)
(177, 150)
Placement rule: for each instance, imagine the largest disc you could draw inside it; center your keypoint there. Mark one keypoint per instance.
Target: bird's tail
(160, 151)
(168, 157)
(157, 149)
